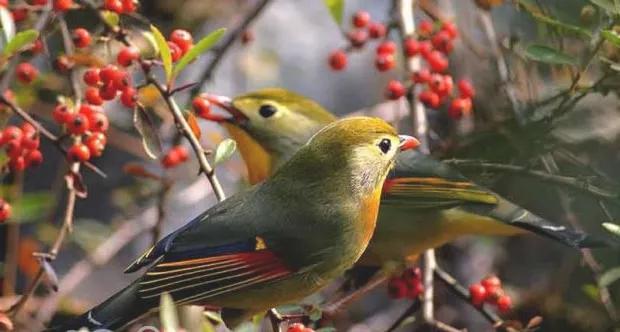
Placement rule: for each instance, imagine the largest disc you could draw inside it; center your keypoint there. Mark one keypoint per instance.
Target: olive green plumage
(275, 243)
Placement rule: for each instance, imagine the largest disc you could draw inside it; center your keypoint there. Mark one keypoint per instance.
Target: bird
(275, 243)
(425, 203)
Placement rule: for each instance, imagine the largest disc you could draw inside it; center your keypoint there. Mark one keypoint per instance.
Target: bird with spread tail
(275, 243)
(424, 204)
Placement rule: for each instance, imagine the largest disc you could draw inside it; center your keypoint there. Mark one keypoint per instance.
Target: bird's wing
(210, 256)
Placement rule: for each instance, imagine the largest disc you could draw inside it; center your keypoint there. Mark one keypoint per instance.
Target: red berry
(127, 56)
(437, 83)
(26, 73)
(5, 210)
(425, 28)
(17, 164)
(394, 90)
(14, 149)
(201, 106)
(121, 80)
(175, 51)
(108, 91)
(386, 47)
(361, 19)
(81, 37)
(98, 122)
(27, 128)
(426, 47)
(95, 146)
(182, 38)
(458, 108)
(91, 76)
(412, 273)
(31, 140)
(504, 303)
(129, 6)
(63, 5)
(182, 152)
(412, 47)
(357, 38)
(113, 6)
(415, 288)
(4, 3)
(78, 124)
(37, 46)
(62, 114)
(384, 62)
(442, 42)
(437, 61)
(338, 60)
(92, 96)
(491, 282)
(12, 133)
(19, 14)
(449, 85)
(397, 288)
(89, 110)
(33, 158)
(296, 327)
(171, 159)
(429, 98)
(477, 294)
(466, 88)
(78, 153)
(99, 137)
(376, 30)
(450, 28)
(108, 73)
(129, 97)
(63, 64)
(421, 76)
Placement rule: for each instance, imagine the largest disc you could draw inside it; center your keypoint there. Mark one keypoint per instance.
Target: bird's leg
(333, 309)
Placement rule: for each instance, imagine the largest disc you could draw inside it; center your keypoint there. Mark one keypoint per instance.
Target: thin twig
(412, 309)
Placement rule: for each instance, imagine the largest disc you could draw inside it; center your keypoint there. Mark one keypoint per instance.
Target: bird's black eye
(267, 110)
(385, 145)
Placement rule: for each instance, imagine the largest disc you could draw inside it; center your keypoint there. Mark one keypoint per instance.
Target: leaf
(168, 313)
(612, 228)
(592, 292)
(164, 51)
(193, 123)
(32, 206)
(561, 25)
(213, 316)
(137, 170)
(150, 38)
(546, 54)
(206, 325)
(336, 8)
(609, 277)
(50, 273)
(111, 18)
(20, 40)
(8, 24)
(607, 5)
(224, 150)
(75, 182)
(201, 47)
(611, 37)
(146, 128)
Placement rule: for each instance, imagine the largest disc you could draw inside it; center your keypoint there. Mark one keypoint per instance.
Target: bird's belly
(402, 235)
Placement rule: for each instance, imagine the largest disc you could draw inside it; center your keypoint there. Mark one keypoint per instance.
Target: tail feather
(566, 236)
(116, 312)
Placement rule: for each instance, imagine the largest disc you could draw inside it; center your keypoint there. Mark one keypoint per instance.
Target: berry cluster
(433, 43)
(298, 327)
(407, 285)
(21, 145)
(177, 155)
(180, 42)
(490, 290)
(88, 121)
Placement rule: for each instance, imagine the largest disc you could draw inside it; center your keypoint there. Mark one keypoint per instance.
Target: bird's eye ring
(385, 145)
(267, 110)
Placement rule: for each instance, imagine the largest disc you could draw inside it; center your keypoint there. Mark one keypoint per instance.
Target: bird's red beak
(225, 103)
(408, 142)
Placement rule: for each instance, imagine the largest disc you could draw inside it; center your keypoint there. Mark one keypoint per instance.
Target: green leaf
(164, 51)
(561, 25)
(336, 8)
(609, 277)
(206, 325)
(612, 228)
(150, 38)
(31, 206)
(607, 5)
(224, 150)
(168, 313)
(201, 47)
(20, 40)
(611, 37)
(8, 24)
(147, 130)
(213, 316)
(546, 54)
(592, 292)
(111, 18)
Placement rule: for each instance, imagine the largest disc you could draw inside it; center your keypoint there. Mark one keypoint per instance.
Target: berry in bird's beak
(225, 103)
(408, 142)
